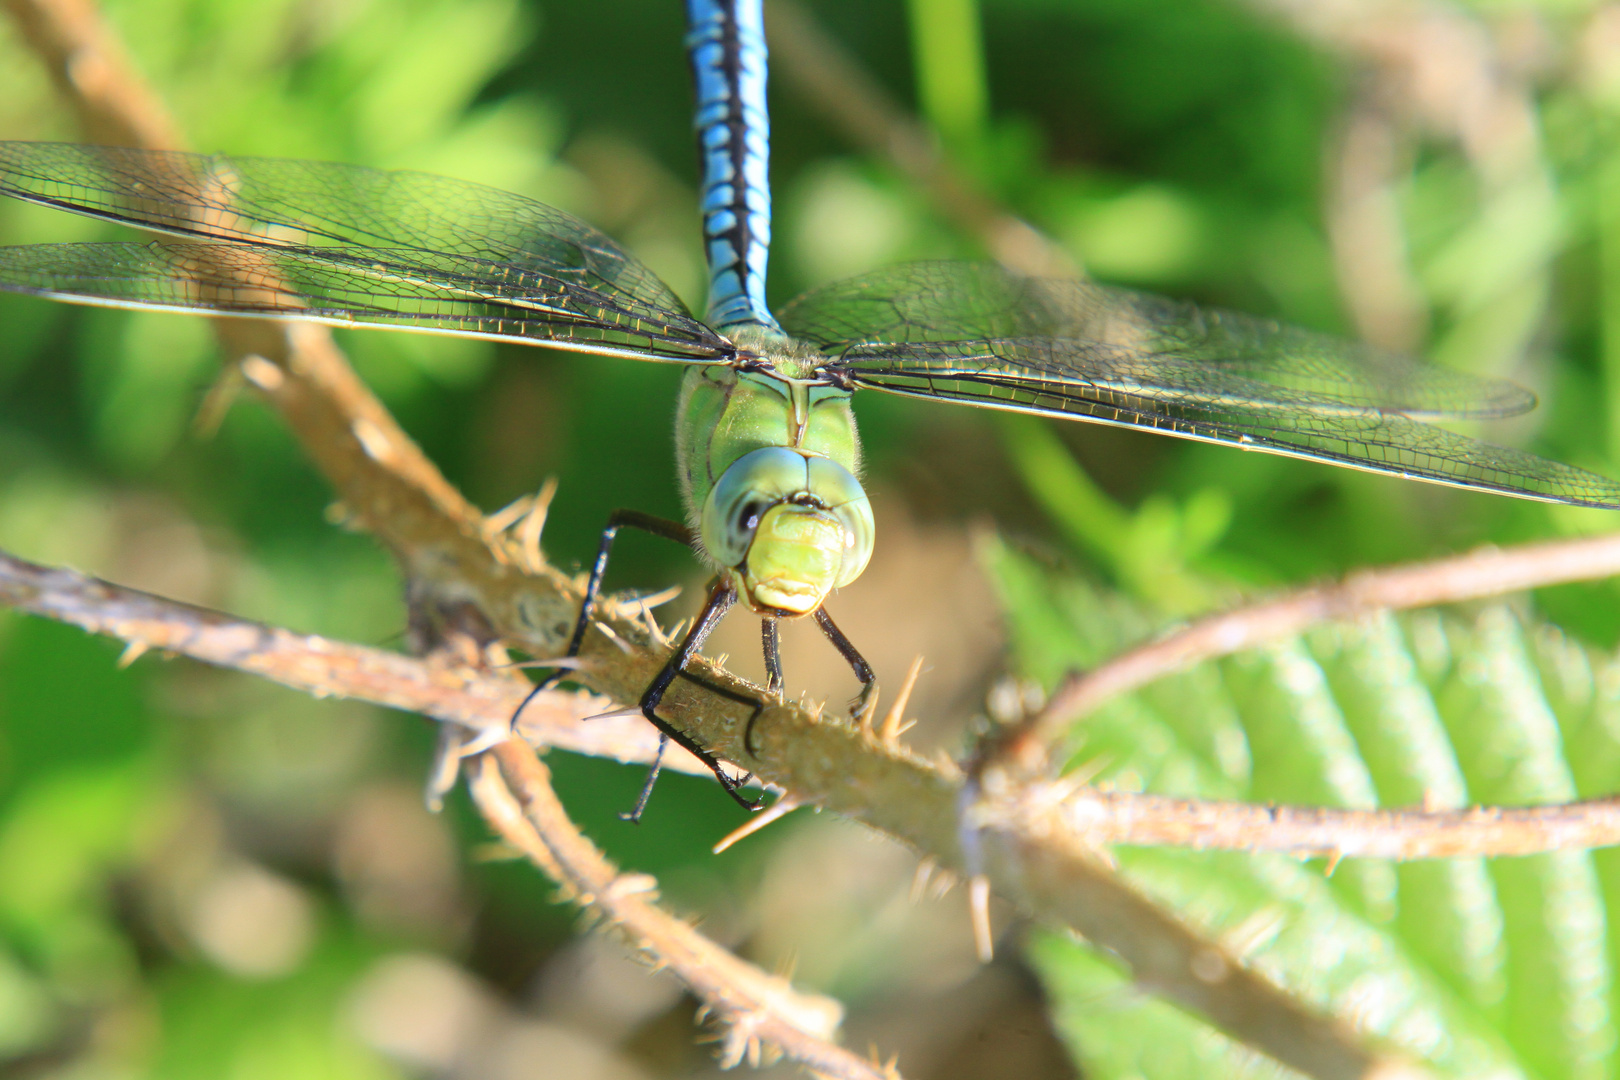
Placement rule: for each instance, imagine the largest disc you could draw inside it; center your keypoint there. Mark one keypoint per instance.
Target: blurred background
(202, 875)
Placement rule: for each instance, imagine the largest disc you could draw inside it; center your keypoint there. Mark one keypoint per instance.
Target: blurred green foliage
(1176, 145)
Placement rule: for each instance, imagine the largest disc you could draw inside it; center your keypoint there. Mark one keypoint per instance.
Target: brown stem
(474, 697)
(1067, 877)
(94, 73)
(1105, 818)
(761, 1013)
(481, 699)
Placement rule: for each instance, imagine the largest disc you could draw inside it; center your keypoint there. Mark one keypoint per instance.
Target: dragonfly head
(789, 527)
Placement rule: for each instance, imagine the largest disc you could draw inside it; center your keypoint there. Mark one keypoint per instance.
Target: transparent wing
(1144, 343)
(982, 336)
(405, 242)
(298, 283)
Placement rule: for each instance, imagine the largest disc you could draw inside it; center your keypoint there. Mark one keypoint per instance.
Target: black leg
(759, 705)
(863, 670)
(721, 597)
(773, 655)
(634, 816)
(770, 634)
(635, 519)
(773, 664)
(670, 530)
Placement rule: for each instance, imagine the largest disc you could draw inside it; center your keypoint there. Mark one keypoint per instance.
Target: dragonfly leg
(772, 639)
(721, 598)
(863, 670)
(635, 519)
(647, 785)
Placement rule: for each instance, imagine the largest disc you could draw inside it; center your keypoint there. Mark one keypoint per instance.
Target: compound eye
(752, 485)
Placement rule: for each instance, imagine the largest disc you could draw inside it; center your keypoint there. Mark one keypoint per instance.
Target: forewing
(299, 283)
(982, 336)
(1158, 347)
(1005, 375)
(395, 231)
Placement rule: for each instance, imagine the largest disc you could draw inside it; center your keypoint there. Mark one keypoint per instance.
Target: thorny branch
(1109, 817)
(457, 690)
(469, 578)
(763, 1014)
(480, 699)
(464, 691)
(1473, 576)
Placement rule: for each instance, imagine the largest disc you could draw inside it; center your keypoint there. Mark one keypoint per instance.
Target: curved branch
(481, 699)
(473, 697)
(93, 73)
(1476, 575)
(761, 1013)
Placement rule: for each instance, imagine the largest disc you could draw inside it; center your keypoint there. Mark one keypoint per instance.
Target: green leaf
(1472, 967)
(1145, 1036)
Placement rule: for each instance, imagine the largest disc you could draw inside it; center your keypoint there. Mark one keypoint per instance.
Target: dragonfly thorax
(788, 527)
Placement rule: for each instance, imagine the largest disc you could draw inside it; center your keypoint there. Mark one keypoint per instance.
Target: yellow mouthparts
(794, 561)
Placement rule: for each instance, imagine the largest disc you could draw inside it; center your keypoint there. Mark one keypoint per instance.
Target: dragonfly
(767, 454)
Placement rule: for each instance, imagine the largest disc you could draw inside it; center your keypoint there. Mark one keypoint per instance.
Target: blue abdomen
(727, 46)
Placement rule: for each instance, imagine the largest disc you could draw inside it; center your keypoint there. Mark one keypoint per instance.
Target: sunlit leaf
(1475, 967)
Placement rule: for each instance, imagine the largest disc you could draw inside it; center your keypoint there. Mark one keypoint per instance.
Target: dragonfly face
(788, 526)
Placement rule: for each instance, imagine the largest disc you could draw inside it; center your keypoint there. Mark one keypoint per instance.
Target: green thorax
(724, 413)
